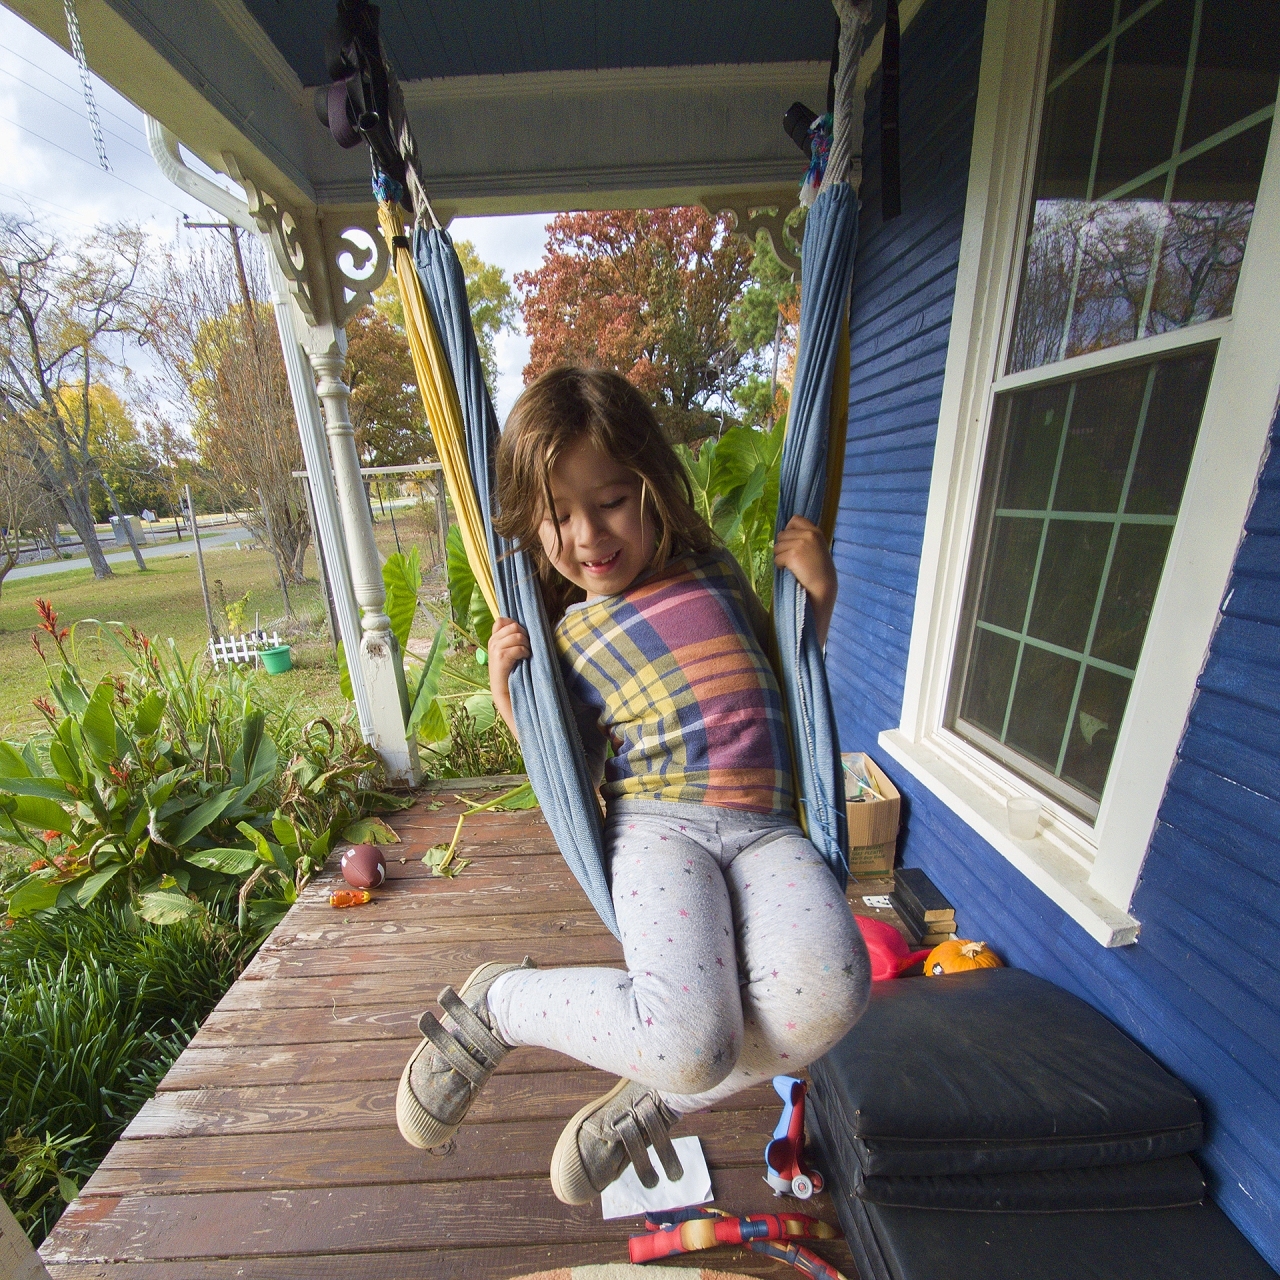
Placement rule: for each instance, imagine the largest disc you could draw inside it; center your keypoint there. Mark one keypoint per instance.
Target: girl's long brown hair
(555, 412)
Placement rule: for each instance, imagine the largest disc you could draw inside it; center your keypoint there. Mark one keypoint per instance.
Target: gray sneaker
(449, 1067)
(609, 1134)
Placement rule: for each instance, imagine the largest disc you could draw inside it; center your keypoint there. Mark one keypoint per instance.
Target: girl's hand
(803, 550)
(508, 644)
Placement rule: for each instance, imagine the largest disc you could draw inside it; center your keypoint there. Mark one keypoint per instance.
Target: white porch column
(320, 275)
(379, 650)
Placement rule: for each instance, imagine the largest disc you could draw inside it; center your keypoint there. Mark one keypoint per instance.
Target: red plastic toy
(784, 1167)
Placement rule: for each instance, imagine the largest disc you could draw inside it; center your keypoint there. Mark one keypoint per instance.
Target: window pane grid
(1106, 570)
(1048, 646)
(1116, 519)
(1035, 574)
(1151, 149)
(1193, 152)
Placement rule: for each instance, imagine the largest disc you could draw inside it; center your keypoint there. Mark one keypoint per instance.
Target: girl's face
(606, 539)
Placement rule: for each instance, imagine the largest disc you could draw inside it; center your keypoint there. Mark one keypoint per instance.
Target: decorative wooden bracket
(332, 262)
(763, 211)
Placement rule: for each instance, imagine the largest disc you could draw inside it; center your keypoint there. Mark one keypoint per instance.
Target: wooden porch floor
(270, 1150)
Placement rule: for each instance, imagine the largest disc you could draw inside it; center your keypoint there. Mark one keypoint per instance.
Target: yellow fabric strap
(440, 400)
(839, 433)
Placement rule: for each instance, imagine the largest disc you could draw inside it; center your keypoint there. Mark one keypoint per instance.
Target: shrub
(164, 788)
(95, 1005)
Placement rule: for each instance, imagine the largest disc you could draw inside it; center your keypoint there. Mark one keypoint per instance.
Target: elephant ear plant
(168, 789)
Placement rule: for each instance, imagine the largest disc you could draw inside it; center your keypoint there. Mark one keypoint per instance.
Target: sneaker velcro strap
(472, 1028)
(457, 1057)
(656, 1129)
(628, 1130)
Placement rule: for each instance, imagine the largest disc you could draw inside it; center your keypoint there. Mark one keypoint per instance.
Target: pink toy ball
(364, 867)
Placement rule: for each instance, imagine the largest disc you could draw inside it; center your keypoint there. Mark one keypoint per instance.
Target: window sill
(1055, 862)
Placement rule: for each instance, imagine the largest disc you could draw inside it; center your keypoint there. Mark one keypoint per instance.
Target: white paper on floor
(877, 901)
(626, 1197)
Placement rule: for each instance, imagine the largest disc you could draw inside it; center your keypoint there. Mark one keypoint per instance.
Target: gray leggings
(743, 961)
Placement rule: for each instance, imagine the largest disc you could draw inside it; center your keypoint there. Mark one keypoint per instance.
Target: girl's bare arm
(803, 550)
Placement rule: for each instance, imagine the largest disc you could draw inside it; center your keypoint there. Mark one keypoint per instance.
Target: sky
(49, 170)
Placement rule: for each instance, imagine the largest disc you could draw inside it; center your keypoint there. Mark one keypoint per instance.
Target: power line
(66, 84)
(72, 154)
(75, 110)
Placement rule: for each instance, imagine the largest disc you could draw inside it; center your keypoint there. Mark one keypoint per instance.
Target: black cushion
(1171, 1183)
(1199, 1243)
(1150, 1184)
(995, 1071)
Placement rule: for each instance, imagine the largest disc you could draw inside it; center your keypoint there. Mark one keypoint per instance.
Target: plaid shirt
(673, 673)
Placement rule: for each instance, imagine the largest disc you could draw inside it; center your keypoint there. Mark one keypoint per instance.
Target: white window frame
(1090, 870)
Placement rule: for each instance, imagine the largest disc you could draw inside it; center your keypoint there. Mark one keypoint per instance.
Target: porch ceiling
(516, 108)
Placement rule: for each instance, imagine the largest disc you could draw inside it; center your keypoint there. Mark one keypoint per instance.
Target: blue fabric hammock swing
(548, 736)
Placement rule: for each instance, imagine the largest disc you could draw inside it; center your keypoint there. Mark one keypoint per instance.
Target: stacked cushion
(992, 1120)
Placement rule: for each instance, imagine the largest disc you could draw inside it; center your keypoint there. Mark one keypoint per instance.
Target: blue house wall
(1201, 987)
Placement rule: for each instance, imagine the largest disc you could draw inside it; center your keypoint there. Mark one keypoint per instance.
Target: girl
(742, 957)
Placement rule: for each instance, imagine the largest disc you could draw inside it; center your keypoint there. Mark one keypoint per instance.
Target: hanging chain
(77, 48)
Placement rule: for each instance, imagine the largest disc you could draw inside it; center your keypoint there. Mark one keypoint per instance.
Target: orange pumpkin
(959, 956)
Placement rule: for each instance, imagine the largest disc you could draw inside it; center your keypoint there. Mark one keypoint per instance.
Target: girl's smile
(605, 539)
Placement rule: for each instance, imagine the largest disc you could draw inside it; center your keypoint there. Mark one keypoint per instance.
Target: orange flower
(38, 865)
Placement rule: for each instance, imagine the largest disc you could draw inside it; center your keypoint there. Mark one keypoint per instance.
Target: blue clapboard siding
(904, 284)
(1201, 988)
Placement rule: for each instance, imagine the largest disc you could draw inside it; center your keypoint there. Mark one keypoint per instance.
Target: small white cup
(1024, 817)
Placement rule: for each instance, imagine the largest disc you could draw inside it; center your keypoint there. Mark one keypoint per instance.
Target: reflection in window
(1155, 128)
(1080, 494)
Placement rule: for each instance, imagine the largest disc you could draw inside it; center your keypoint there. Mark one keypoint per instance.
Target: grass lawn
(166, 602)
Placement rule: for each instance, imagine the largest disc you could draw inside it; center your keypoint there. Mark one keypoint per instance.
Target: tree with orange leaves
(650, 293)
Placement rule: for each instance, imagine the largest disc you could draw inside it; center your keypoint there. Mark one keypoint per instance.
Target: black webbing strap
(890, 170)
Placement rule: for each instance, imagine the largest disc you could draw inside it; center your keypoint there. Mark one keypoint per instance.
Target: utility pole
(204, 582)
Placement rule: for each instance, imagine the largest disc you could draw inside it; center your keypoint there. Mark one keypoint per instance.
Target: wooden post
(442, 515)
(204, 582)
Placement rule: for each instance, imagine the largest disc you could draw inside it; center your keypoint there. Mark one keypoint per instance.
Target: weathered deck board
(270, 1149)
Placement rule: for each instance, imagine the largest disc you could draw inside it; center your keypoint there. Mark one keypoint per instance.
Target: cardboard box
(873, 823)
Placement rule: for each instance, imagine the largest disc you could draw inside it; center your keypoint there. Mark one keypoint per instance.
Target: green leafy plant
(94, 1007)
(163, 788)
(460, 730)
(735, 489)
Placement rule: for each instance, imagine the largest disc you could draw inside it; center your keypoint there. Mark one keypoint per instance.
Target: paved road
(224, 537)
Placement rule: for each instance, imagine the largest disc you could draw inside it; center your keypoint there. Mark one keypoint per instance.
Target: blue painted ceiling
(439, 38)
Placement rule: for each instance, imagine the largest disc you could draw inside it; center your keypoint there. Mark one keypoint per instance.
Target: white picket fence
(245, 648)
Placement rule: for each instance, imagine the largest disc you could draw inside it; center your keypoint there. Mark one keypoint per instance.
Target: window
(1112, 371)
(1154, 131)
(1081, 492)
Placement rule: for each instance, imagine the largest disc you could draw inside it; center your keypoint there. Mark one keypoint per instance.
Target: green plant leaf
(481, 618)
(37, 894)
(233, 862)
(369, 831)
(64, 763)
(92, 885)
(401, 576)
(251, 735)
(167, 906)
(98, 725)
(344, 674)
(12, 765)
(434, 726)
(148, 716)
(481, 710)
(43, 787)
(462, 582)
(429, 683)
(67, 1189)
(265, 761)
(202, 815)
(41, 813)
